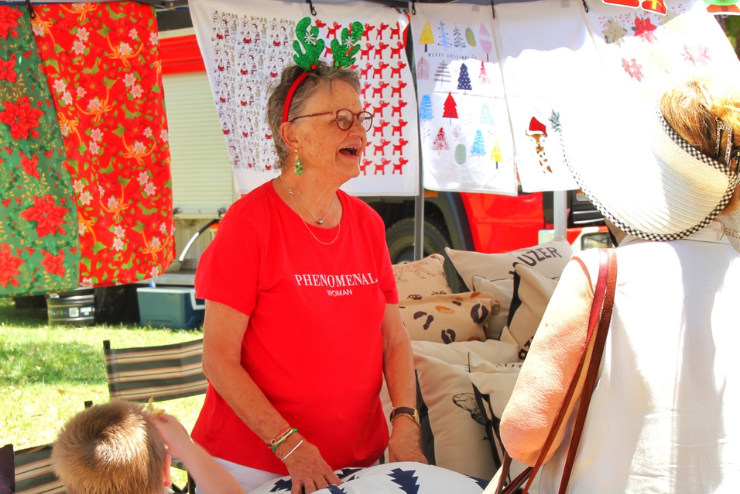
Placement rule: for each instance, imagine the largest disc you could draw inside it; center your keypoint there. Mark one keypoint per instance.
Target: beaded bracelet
(280, 439)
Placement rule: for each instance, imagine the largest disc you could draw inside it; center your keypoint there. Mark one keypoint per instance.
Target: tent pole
(560, 213)
(419, 219)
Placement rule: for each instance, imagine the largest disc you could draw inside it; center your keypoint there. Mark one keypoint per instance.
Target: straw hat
(640, 173)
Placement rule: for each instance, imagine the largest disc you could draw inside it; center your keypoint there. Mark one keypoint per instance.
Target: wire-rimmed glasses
(345, 118)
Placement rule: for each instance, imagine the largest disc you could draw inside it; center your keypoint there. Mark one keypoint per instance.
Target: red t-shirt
(313, 343)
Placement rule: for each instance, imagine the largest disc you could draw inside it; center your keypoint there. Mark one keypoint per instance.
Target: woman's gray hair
(322, 76)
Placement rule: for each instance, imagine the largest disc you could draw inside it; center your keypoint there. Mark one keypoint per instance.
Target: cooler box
(170, 307)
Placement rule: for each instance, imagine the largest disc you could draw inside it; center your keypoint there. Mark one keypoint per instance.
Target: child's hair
(110, 448)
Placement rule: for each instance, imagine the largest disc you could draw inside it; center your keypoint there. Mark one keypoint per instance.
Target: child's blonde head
(110, 448)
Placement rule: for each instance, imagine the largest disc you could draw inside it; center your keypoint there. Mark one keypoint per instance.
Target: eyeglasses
(345, 118)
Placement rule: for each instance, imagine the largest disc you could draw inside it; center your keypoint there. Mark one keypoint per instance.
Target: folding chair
(33, 472)
(162, 372)
(7, 469)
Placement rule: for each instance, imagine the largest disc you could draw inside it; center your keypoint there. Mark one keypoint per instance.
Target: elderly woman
(301, 306)
(663, 414)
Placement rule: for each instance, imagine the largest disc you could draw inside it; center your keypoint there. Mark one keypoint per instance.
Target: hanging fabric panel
(39, 247)
(103, 67)
(246, 45)
(466, 141)
(643, 51)
(548, 59)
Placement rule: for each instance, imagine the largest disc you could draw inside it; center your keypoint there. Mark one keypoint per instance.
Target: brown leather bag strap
(531, 472)
(592, 372)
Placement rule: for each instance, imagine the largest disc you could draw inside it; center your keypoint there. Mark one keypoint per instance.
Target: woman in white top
(665, 413)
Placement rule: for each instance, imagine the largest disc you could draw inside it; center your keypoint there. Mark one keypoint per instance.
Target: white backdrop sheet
(642, 51)
(466, 142)
(245, 46)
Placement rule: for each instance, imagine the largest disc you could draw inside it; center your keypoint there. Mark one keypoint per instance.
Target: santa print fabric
(643, 51)
(466, 138)
(102, 64)
(39, 248)
(245, 46)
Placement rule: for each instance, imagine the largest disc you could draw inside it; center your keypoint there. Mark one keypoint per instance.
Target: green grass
(48, 372)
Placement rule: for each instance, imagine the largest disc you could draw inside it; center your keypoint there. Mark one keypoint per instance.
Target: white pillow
(532, 293)
(503, 290)
(548, 259)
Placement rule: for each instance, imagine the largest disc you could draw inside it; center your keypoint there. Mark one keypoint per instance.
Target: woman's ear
(288, 135)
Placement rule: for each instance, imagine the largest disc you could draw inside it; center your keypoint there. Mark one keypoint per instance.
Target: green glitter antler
(312, 45)
(344, 52)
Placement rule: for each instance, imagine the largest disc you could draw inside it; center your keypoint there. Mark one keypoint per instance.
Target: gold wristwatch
(411, 412)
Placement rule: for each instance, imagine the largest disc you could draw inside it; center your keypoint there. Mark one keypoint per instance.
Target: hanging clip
(313, 10)
(493, 9)
(31, 13)
(413, 7)
(585, 5)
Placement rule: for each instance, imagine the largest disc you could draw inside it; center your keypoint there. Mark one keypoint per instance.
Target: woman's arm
(398, 367)
(549, 368)
(223, 332)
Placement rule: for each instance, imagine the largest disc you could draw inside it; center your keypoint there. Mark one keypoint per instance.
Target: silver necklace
(339, 229)
(290, 193)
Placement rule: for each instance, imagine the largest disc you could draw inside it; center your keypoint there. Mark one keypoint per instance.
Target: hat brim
(627, 160)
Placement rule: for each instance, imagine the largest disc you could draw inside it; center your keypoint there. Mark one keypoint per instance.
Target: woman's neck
(314, 200)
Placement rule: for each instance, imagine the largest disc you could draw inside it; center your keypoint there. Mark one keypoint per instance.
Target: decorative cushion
(532, 293)
(448, 318)
(548, 259)
(7, 470)
(453, 431)
(503, 290)
(394, 478)
(421, 278)
(458, 352)
(493, 385)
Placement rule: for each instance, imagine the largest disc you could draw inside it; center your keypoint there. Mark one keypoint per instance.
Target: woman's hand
(307, 468)
(405, 441)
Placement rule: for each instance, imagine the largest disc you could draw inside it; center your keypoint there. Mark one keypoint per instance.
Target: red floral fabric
(102, 63)
(39, 247)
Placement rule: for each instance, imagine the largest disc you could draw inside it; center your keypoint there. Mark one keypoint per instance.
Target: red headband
(291, 92)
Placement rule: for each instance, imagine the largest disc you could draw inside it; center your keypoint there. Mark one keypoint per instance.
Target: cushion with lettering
(548, 259)
(532, 293)
(448, 318)
(421, 278)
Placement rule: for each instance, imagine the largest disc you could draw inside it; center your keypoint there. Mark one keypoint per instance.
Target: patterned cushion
(448, 318)
(532, 293)
(393, 478)
(421, 278)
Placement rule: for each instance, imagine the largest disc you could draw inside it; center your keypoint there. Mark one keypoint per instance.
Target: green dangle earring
(298, 170)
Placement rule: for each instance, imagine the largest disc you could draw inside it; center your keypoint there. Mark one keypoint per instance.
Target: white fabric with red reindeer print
(246, 45)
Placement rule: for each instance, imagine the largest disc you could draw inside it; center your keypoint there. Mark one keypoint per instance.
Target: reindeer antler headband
(313, 46)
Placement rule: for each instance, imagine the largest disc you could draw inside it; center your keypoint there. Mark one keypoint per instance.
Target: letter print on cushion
(39, 247)
(103, 67)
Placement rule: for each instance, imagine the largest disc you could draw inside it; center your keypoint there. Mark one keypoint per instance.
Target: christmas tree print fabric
(39, 248)
(245, 46)
(103, 67)
(642, 51)
(466, 139)
(393, 478)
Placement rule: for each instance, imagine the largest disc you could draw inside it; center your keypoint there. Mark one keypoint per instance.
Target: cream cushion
(421, 278)
(532, 293)
(503, 290)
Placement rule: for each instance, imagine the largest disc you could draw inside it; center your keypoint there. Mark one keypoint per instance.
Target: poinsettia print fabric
(102, 63)
(39, 248)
